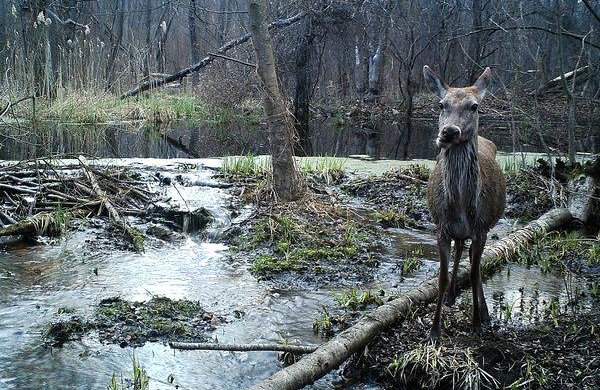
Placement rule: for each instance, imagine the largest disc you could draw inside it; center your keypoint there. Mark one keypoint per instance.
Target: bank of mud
(338, 234)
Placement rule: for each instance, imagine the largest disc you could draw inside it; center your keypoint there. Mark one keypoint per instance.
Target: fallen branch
(242, 347)
(354, 339)
(134, 235)
(232, 59)
(151, 84)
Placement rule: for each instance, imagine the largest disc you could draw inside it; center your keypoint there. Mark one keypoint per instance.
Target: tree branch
(242, 347)
(208, 59)
(591, 9)
(232, 59)
(500, 28)
(69, 21)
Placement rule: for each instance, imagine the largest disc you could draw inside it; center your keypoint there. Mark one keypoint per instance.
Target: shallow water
(36, 281)
(39, 280)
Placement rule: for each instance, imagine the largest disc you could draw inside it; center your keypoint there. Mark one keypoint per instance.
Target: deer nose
(450, 131)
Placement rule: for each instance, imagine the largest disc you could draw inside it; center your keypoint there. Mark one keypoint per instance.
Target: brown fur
(466, 191)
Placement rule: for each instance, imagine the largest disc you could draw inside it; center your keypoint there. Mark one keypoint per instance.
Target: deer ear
(483, 82)
(434, 83)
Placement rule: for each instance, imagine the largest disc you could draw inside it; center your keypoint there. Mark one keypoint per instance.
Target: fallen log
(134, 235)
(300, 349)
(582, 74)
(333, 353)
(154, 83)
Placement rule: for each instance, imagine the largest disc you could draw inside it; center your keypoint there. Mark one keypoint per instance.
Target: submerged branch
(242, 347)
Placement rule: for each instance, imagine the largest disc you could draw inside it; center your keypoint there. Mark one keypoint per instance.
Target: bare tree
(287, 182)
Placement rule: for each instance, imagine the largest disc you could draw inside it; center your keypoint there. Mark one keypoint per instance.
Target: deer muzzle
(448, 135)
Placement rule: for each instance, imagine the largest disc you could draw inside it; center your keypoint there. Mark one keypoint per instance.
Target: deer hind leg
(444, 250)
(480, 311)
(451, 294)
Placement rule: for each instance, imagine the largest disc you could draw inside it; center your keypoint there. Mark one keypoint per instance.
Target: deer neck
(462, 184)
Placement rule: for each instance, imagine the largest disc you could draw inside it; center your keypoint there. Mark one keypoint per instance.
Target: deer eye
(474, 107)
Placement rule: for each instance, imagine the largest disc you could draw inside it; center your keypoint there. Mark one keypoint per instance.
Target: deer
(466, 192)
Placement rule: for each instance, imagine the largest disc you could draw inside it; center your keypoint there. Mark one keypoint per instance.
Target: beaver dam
(105, 262)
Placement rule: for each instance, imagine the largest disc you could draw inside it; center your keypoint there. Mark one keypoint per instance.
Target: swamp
(212, 194)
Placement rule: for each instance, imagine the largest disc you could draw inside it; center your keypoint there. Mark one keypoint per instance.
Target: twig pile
(37, 196)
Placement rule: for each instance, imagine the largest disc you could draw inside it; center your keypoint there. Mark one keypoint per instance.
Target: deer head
(459, 116)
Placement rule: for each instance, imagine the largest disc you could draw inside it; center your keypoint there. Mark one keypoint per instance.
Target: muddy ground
(560, 352)
(550, 346)
(335, 236)
(560, 349)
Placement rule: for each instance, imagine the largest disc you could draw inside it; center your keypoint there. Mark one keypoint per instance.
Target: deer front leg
(444, 250)
(479, 305)
(451, 294)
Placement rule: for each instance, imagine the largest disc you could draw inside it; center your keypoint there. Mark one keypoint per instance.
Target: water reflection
(184, 139)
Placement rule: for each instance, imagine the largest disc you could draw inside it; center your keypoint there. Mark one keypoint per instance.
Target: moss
(392, 219)
(133, 323)
(63, 331)
(266, 265)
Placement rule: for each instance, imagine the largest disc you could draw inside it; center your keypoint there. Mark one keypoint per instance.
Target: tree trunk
(148, 26)
(331, 354)
(194, 55)
(475, 43)
(287, 183)
(36, 44)
(376, 65)
(303, 91)
(165, 28)
(361, 68)
(116, 43)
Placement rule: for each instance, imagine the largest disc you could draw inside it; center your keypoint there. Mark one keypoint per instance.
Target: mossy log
(135, 236)
(331, 354)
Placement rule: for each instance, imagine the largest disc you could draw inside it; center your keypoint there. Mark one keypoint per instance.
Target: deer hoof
(477, 331)
(435, 335)
(449, 299)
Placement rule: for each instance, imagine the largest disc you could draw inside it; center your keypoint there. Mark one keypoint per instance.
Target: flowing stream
(77, 271)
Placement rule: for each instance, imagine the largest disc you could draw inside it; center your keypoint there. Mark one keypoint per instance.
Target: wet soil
(559, 352)
(126, 323)
(335, 236)
(534, 342)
